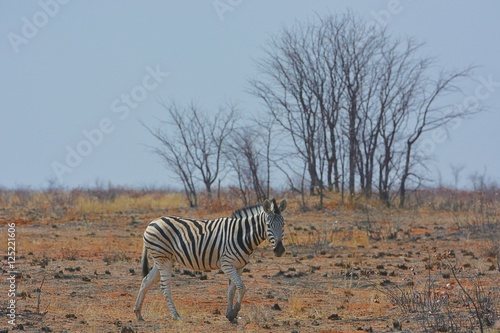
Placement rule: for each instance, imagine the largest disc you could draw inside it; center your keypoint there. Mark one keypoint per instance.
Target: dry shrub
(127, 202)
(462, 305)
(296, 305)
(259, 314)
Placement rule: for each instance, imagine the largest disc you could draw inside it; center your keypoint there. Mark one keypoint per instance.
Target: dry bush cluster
(449, 299)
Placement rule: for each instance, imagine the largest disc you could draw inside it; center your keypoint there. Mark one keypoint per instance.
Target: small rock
(127, 329)
(276, 307)
(334, 316)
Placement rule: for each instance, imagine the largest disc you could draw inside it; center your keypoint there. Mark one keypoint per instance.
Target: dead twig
(478, 314)
(39, 293)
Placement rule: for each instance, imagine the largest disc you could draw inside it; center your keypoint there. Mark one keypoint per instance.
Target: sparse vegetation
(365, 266)
(438, 302)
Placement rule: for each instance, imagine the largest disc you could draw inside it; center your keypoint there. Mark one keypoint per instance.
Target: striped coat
(223, 243)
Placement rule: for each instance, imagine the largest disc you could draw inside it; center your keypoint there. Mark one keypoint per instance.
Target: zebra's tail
(144, 261)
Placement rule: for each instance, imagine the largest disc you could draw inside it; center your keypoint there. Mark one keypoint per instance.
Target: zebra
(224, 243)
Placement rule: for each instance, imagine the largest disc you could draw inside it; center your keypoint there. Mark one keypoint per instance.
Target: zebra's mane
(247, 212)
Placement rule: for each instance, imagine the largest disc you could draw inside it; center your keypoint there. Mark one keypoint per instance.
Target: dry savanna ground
(433, 267)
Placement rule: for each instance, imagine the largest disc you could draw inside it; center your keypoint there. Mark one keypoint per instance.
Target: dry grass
(296, 305)
(125, 202)
(87, 245)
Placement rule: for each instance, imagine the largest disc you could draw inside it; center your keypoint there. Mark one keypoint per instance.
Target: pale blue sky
(66, 68)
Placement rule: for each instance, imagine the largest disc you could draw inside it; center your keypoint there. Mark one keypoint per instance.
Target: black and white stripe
(223, 243)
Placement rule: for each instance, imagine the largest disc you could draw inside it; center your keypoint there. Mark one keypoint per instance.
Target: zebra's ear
(268, 206)
(283, 205)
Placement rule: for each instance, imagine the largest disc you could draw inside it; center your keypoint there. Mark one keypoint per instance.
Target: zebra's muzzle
(279, 249)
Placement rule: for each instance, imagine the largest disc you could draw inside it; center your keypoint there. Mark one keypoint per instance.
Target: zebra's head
(275, 225)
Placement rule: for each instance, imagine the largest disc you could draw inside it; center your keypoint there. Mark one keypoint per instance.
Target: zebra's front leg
(235, 282)
(165, 283)
(146, 284)
(230, 297)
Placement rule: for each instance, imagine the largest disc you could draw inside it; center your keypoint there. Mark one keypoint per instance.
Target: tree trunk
(352, 149)
(404, 176)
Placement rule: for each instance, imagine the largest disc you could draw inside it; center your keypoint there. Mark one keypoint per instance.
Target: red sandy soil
(83, 275)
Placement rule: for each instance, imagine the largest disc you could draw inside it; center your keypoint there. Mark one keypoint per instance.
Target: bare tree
(191, 144)
(289, 92)
(237, 166)
(332, 98)
(245, 158)
(271, 142)
(401, 73)
(429, 113)
(456, 170)
(359, 44)
(317, 73)
(313, 73)
(353, 101)
(173, 152)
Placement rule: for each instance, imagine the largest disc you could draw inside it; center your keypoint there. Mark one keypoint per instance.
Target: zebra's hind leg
(165, 283)
(235, 283)
(147, 283)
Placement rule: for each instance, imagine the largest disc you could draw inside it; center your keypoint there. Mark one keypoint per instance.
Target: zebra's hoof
(138, 315)
(231, 316)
